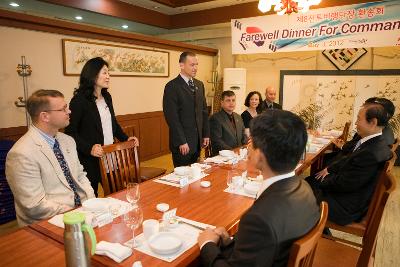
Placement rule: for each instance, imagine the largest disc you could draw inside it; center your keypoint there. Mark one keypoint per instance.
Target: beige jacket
(37, 181)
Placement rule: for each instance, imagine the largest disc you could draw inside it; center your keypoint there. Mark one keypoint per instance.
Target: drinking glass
(133, 218)
(132, 193)
(233, 179)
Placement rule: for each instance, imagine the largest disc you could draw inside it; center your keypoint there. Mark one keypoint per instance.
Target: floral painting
(329, 101)
(123, 61)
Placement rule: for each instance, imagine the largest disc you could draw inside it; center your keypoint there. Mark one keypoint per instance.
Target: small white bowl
(226, 153)
(163, 207)
(205, 183)
(184, 170)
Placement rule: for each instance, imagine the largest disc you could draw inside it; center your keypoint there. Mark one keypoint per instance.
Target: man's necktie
(357, 145)
(191, 85)
(67, 173)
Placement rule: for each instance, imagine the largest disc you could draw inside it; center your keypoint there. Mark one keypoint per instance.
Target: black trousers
(184, 160)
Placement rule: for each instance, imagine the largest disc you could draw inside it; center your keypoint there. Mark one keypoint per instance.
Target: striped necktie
(191, 85)
(66, 171)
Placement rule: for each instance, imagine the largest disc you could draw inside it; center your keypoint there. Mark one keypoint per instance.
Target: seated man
(269, 102)
(226, 126)
(285, 208)
(43, 168)
(348, 183)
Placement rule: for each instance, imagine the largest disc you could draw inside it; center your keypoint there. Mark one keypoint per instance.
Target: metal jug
(76, 245)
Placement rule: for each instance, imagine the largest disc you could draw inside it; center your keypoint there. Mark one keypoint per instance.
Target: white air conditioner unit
(235, 80)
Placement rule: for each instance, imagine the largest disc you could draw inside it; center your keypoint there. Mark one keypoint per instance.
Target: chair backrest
(303, 250)
(378, 190)
(385, 188)
(395, 145)
(345, 132)
(119, 166)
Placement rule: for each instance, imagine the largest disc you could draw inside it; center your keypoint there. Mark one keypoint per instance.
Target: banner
(374, 24)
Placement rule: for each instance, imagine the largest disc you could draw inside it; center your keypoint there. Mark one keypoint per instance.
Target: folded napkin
(115, 251)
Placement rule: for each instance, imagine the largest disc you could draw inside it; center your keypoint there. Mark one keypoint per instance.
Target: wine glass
(133, 218)
(132, 193)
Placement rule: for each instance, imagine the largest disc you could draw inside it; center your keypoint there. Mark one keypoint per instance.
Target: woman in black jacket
(92, 120)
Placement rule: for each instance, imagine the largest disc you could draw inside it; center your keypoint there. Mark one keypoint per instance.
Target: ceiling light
(125, 26)
(78, 18)
(14, 4)
(286, 6)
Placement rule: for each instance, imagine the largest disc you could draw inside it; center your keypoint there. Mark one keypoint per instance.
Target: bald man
(269, 102)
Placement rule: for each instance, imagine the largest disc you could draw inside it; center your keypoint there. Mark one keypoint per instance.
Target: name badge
(168, 215)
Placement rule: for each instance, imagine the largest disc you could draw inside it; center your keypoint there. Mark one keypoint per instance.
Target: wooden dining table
(206, 205)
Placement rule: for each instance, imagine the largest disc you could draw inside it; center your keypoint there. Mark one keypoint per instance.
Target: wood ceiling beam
(118, 9)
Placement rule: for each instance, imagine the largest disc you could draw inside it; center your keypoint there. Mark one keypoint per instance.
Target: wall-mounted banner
(374, 24)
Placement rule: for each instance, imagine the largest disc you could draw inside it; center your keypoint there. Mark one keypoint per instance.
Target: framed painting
(327, 99)
(344, 58)
(122, 60)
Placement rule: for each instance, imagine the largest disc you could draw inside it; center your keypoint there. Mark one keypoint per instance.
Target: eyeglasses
(64, 109)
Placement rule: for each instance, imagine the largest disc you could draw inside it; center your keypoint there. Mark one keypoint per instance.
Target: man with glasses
(42, 168)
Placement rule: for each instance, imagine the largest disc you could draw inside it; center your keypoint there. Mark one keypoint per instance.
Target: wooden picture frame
(344, 58)
(122, 60)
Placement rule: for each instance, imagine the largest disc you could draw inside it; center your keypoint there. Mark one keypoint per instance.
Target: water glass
(133, 219)
(132, 193)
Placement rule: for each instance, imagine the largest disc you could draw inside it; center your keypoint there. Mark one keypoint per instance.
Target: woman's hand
(135, 140)
(97, 151)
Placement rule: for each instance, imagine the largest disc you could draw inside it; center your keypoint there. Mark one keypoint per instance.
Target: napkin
(115, 251)
(58, 220)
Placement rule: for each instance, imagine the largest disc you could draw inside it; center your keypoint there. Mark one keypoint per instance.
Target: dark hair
(250, 95)
(281, 136)
(89, 73)
(386, 103)
(39, 102)
(226, 93)
(378, 112)
(184, 55)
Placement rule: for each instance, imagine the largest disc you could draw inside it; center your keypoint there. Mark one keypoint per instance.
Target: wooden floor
(388, 246)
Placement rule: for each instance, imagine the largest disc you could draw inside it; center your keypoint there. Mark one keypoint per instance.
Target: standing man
(185, 111)
(269, 102)
(43, 168)
(227, 128)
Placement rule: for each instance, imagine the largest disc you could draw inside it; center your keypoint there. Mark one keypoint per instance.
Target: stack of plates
(165, 243)
(7, 209)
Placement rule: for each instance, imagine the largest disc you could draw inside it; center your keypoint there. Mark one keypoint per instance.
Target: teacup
(196, 172)
(150, 227)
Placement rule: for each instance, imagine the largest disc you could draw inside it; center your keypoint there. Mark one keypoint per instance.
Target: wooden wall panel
(149, 127)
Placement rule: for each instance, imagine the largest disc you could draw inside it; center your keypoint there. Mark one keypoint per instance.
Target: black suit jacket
(85, 127)
(186, 114)
(284, 212)
(223, 134)
(264, 106)
(352, 178)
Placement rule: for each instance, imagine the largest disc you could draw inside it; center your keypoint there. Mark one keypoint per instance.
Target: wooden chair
(119, 166)
(146, 173)
(395, 145)
(303, 250)
(345, 132)
(331, 253)
(359, 228)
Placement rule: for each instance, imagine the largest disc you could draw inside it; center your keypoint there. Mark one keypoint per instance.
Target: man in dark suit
(269, 102)
(349, 182)
(226, 126)
(185, 111)
(285, 208)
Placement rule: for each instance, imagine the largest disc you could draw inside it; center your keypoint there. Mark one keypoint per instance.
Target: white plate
(251, 188)
(96, 204)
(227, 153)
(165, 243)
(319, 140)
(184, 170)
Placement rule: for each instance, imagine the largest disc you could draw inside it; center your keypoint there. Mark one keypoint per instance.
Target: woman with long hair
(92, 120)
(253, 104)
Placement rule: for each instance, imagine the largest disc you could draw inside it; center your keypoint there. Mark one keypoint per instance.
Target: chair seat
(354, 228)
(147, 173)
(334, 254)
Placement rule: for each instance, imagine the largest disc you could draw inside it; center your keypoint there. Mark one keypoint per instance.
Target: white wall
(43, 51)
